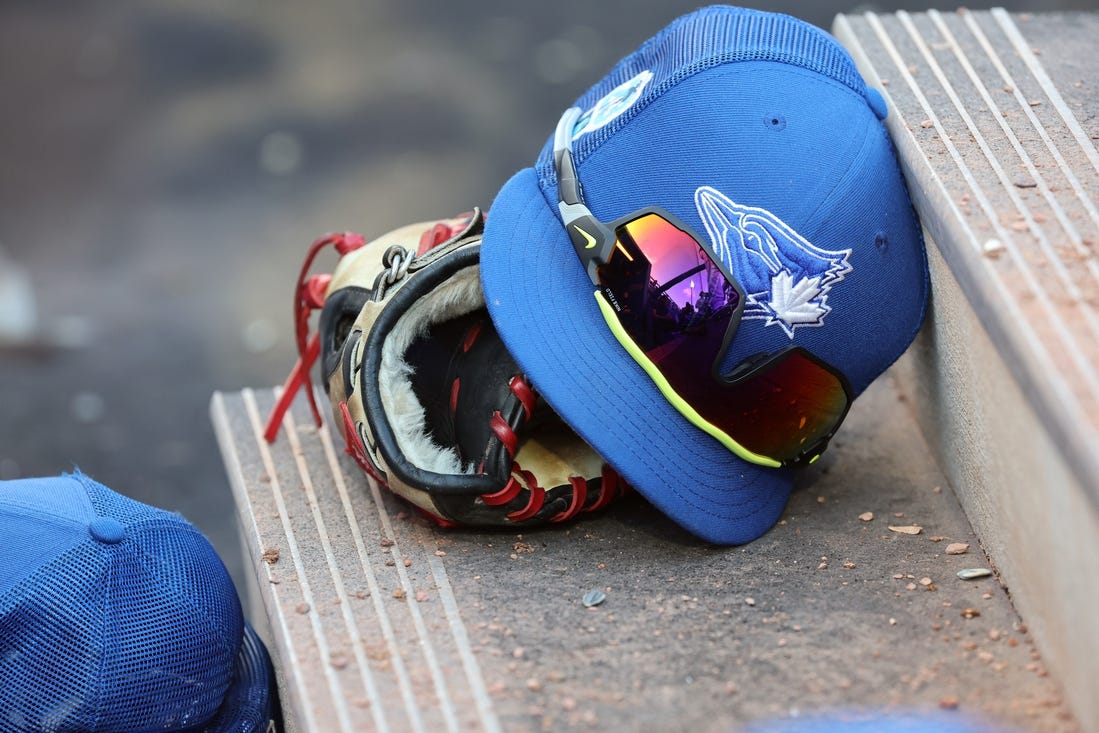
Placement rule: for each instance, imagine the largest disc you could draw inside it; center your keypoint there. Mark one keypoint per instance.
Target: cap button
(106, 530)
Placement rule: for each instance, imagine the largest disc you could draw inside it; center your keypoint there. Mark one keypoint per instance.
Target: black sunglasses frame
(594, 242)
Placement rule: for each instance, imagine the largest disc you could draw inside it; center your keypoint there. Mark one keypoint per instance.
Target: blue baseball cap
(880, 722)
(118, 616)
(756, 130)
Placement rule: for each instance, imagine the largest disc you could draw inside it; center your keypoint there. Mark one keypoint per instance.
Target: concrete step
(379, 620)
(994, 116)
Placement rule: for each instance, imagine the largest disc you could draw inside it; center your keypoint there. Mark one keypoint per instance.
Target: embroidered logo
(614, 103)
(786, 278)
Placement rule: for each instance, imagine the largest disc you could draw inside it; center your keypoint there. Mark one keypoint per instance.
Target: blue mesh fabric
(703, 39)
(141, 635)
(248, 706)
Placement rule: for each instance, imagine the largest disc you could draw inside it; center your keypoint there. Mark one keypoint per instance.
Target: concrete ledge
(379, 620)
(1005, 377)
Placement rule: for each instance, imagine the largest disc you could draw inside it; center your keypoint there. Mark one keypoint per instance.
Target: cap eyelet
(776, 123)
(881, 241)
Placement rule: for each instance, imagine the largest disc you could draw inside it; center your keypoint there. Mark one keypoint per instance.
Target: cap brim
(542, 304)
(248, 705)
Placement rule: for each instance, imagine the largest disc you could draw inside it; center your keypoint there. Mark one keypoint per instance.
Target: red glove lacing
(308, 297)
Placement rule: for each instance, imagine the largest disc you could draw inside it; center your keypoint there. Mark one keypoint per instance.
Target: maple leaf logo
(795, 304)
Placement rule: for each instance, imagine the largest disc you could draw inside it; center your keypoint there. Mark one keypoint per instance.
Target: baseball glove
(428, 399)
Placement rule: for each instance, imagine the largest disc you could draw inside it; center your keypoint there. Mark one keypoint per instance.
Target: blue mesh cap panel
(173, 653)
(41, 518)
(703, 39)
(50, 643)
(138, 635)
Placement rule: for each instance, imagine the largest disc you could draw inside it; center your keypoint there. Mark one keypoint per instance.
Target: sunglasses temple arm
(592, 240)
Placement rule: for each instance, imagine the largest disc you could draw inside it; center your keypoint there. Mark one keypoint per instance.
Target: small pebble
(302, 608)
(993, 247)
(970, 613)
(386, 542)
(927, 124)
(949, 702)
(593, 598)
(750, 601)
(866, 516)
(974, 573)
(399, 594)
(271, 555)
(909, 529)
(957, 548)
(440, 553)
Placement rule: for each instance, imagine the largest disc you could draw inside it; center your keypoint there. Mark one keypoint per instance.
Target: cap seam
(104, 626)
(68, 521)
(863, 148)
(149, 560)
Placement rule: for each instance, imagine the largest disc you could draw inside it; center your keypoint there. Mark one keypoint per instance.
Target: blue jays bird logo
(787, 279)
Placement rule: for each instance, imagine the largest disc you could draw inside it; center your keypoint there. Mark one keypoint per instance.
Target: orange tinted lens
(780, 411)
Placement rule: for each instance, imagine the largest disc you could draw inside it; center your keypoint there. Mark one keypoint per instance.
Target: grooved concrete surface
(993, 115)
(380, 619)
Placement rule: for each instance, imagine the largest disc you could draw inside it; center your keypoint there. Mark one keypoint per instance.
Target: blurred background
(165, 164)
